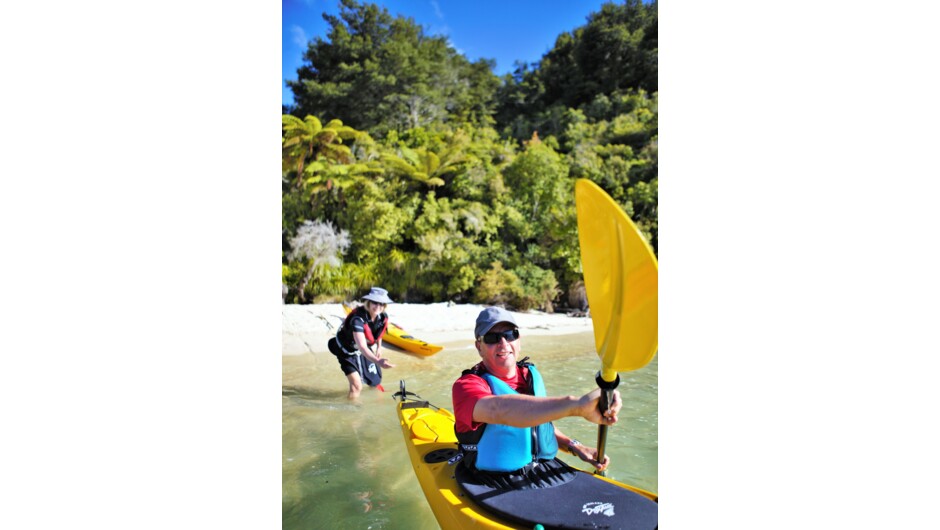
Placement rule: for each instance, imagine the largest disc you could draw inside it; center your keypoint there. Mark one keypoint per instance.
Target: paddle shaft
(603, 404)
(601, 446)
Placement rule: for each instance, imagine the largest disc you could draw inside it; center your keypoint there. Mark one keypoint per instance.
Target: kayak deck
(431, 442)
(399, 337)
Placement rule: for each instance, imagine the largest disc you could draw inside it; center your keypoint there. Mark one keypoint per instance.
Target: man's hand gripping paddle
(621, 277)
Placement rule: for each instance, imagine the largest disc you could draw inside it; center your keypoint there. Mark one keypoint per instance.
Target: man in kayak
(352, 345)
(503, 416)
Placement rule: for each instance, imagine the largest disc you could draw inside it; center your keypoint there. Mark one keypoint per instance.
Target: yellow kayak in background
(431, 442)
(396, 336)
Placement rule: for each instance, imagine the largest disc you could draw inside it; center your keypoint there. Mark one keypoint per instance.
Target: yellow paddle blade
(621, 277)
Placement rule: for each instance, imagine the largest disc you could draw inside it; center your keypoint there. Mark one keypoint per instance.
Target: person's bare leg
(355, 385)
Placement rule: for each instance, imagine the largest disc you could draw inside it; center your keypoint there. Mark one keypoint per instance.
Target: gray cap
(377, 294)
(491, 316)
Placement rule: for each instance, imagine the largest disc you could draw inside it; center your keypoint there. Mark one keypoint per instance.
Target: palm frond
(289, 121)
(410, 156)
(313, 123)
(431, 162)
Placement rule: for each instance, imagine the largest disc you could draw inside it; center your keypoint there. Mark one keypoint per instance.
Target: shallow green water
(345, 464)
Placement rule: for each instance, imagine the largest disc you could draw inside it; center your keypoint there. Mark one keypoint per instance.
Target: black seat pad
(556, 495)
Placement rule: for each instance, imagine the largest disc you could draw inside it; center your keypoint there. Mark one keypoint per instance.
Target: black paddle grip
(607, 391)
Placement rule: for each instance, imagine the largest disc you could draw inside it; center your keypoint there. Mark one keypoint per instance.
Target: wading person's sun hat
(377, 294)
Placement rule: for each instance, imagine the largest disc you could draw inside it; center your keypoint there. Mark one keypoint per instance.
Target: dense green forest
(407, 166)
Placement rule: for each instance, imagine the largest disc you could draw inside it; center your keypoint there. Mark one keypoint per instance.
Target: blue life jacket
(504, 448)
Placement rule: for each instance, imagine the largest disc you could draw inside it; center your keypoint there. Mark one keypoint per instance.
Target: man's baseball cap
(491, 316)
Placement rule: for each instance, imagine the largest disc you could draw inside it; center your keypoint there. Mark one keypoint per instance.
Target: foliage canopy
(439, 181)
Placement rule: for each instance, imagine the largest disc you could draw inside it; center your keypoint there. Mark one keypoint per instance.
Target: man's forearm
(520, 410)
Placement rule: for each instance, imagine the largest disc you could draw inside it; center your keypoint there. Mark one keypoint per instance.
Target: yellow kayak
(396, 336)
(431, 442)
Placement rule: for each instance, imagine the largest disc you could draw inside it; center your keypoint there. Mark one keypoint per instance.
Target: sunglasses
(493, 336)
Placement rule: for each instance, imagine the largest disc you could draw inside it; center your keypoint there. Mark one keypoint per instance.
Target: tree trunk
(303, 283)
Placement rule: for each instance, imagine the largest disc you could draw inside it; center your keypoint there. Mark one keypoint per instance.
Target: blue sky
(504, 30)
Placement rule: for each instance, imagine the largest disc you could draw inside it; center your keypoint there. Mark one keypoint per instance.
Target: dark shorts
(369, 372)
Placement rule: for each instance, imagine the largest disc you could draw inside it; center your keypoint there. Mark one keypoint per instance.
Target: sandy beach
(307, 328)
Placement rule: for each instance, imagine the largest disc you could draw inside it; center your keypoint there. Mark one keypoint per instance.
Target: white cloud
(299, 36)
(437, 9)
(445, 32)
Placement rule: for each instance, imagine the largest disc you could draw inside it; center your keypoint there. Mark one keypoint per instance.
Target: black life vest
(373, 331)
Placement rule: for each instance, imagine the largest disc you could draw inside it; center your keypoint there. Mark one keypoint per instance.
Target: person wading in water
(364, 327)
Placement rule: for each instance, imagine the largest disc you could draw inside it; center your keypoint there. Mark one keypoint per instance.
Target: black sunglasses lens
(493, 338)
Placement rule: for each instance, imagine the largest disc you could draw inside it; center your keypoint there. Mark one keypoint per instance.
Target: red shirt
(469, 389)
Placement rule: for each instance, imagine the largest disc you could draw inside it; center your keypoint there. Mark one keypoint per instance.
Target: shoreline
(307, 328)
